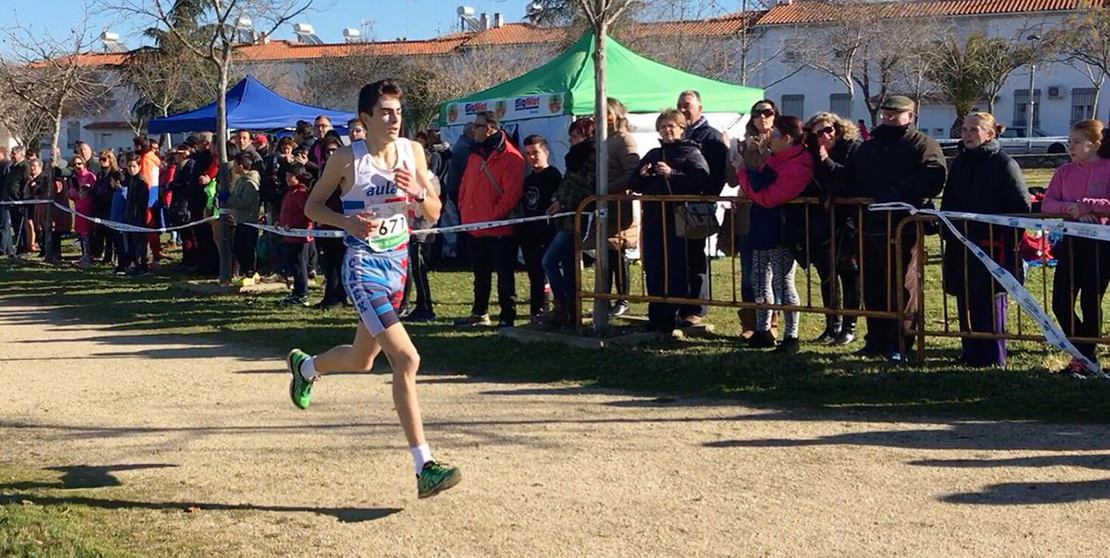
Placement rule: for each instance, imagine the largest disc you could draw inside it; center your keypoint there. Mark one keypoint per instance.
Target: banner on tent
(511, 108)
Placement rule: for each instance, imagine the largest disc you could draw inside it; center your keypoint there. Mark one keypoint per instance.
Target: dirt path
(549, 471)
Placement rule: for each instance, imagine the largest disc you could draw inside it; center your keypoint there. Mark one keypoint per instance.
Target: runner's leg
(356, 357)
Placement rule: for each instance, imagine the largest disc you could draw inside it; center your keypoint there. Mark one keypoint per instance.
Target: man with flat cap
(898, 164)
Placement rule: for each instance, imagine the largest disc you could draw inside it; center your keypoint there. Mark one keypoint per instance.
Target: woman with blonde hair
(101, 239)
(833, 140)
(624, 224)
(982, 179)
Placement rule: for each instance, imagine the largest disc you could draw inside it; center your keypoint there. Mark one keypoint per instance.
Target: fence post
(922, 256)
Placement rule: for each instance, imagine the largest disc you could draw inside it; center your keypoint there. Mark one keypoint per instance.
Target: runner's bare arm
(431, 207)
(336, 171)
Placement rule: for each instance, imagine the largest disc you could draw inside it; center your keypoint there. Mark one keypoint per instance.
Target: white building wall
(1055, 113)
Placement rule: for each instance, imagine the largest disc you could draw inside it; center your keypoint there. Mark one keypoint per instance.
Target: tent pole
(601, 262)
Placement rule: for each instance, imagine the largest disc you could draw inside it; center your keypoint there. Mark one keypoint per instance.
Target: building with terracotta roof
(756, 48)
(1062, 94)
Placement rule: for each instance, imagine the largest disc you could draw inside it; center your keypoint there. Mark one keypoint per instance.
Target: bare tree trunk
(54, 152)
(601, 306)
(224, 180)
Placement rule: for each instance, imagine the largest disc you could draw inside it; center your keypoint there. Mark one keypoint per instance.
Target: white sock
(308, 369)
(420, 455)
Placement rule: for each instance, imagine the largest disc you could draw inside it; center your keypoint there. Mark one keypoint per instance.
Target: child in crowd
(295, 248)
(137, 214)
(118, 214)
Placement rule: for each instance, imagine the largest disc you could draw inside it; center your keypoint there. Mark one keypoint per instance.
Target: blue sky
(391, 19)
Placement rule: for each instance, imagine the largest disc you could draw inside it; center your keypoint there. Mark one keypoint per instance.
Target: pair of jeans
(848, 280)
(664, 260)
(7, 235)
(618, 272)
(331, 257)
(534, 242)
(123, 250)
(417, 278)
(296, 260)
(1083, 272)
(880, 292)
(697, 278)
(773, 274)
(559, 263)
(489, 254)
(139, 244)
(982, 312)
(244, 243)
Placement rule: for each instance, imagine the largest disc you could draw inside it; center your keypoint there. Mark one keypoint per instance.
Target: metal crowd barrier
(916, 324)
(913, 321)
(856, 206)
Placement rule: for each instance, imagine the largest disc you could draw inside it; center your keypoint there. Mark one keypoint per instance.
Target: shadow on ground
(344, 515)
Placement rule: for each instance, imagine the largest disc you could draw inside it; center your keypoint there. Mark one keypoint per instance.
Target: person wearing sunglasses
(80, 190)
(834, 141)
(85, 152)
(783, 176)
(102, 241)
(753, 151)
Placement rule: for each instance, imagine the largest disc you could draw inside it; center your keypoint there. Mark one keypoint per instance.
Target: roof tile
(817, 11)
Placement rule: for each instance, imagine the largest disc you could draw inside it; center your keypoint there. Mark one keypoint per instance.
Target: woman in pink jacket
(1081, 190)
(783, 177)
(81, 182)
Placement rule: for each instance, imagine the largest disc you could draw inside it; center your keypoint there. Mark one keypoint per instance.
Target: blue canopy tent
(250, 105)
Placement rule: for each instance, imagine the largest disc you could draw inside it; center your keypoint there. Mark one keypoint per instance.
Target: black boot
(789, 346)
(761, 340)
(619, 309)
(832, 326)
(847, 335)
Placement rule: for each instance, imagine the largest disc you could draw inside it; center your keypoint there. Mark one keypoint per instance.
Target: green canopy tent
(545, 100)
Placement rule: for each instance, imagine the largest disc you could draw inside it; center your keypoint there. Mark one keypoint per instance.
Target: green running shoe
(436, 478)
(300, 389)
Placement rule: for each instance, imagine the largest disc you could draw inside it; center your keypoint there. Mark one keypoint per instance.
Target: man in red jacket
(490, 188)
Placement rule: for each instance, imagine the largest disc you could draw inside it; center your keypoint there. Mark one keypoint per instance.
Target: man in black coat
(713, 149)
(898, 164)
(11, 188)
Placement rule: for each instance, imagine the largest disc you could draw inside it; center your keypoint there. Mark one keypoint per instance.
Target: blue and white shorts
(375, 281)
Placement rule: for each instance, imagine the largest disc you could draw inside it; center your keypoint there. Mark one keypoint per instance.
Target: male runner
(382, 181)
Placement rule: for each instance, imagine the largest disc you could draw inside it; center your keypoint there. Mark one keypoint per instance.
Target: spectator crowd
(489, 175)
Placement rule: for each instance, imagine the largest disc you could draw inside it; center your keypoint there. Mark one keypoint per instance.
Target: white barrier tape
(1052, 333)
(492, 224)
(124, 227)
(316, 233)
(26, 202)
(1071, 228)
